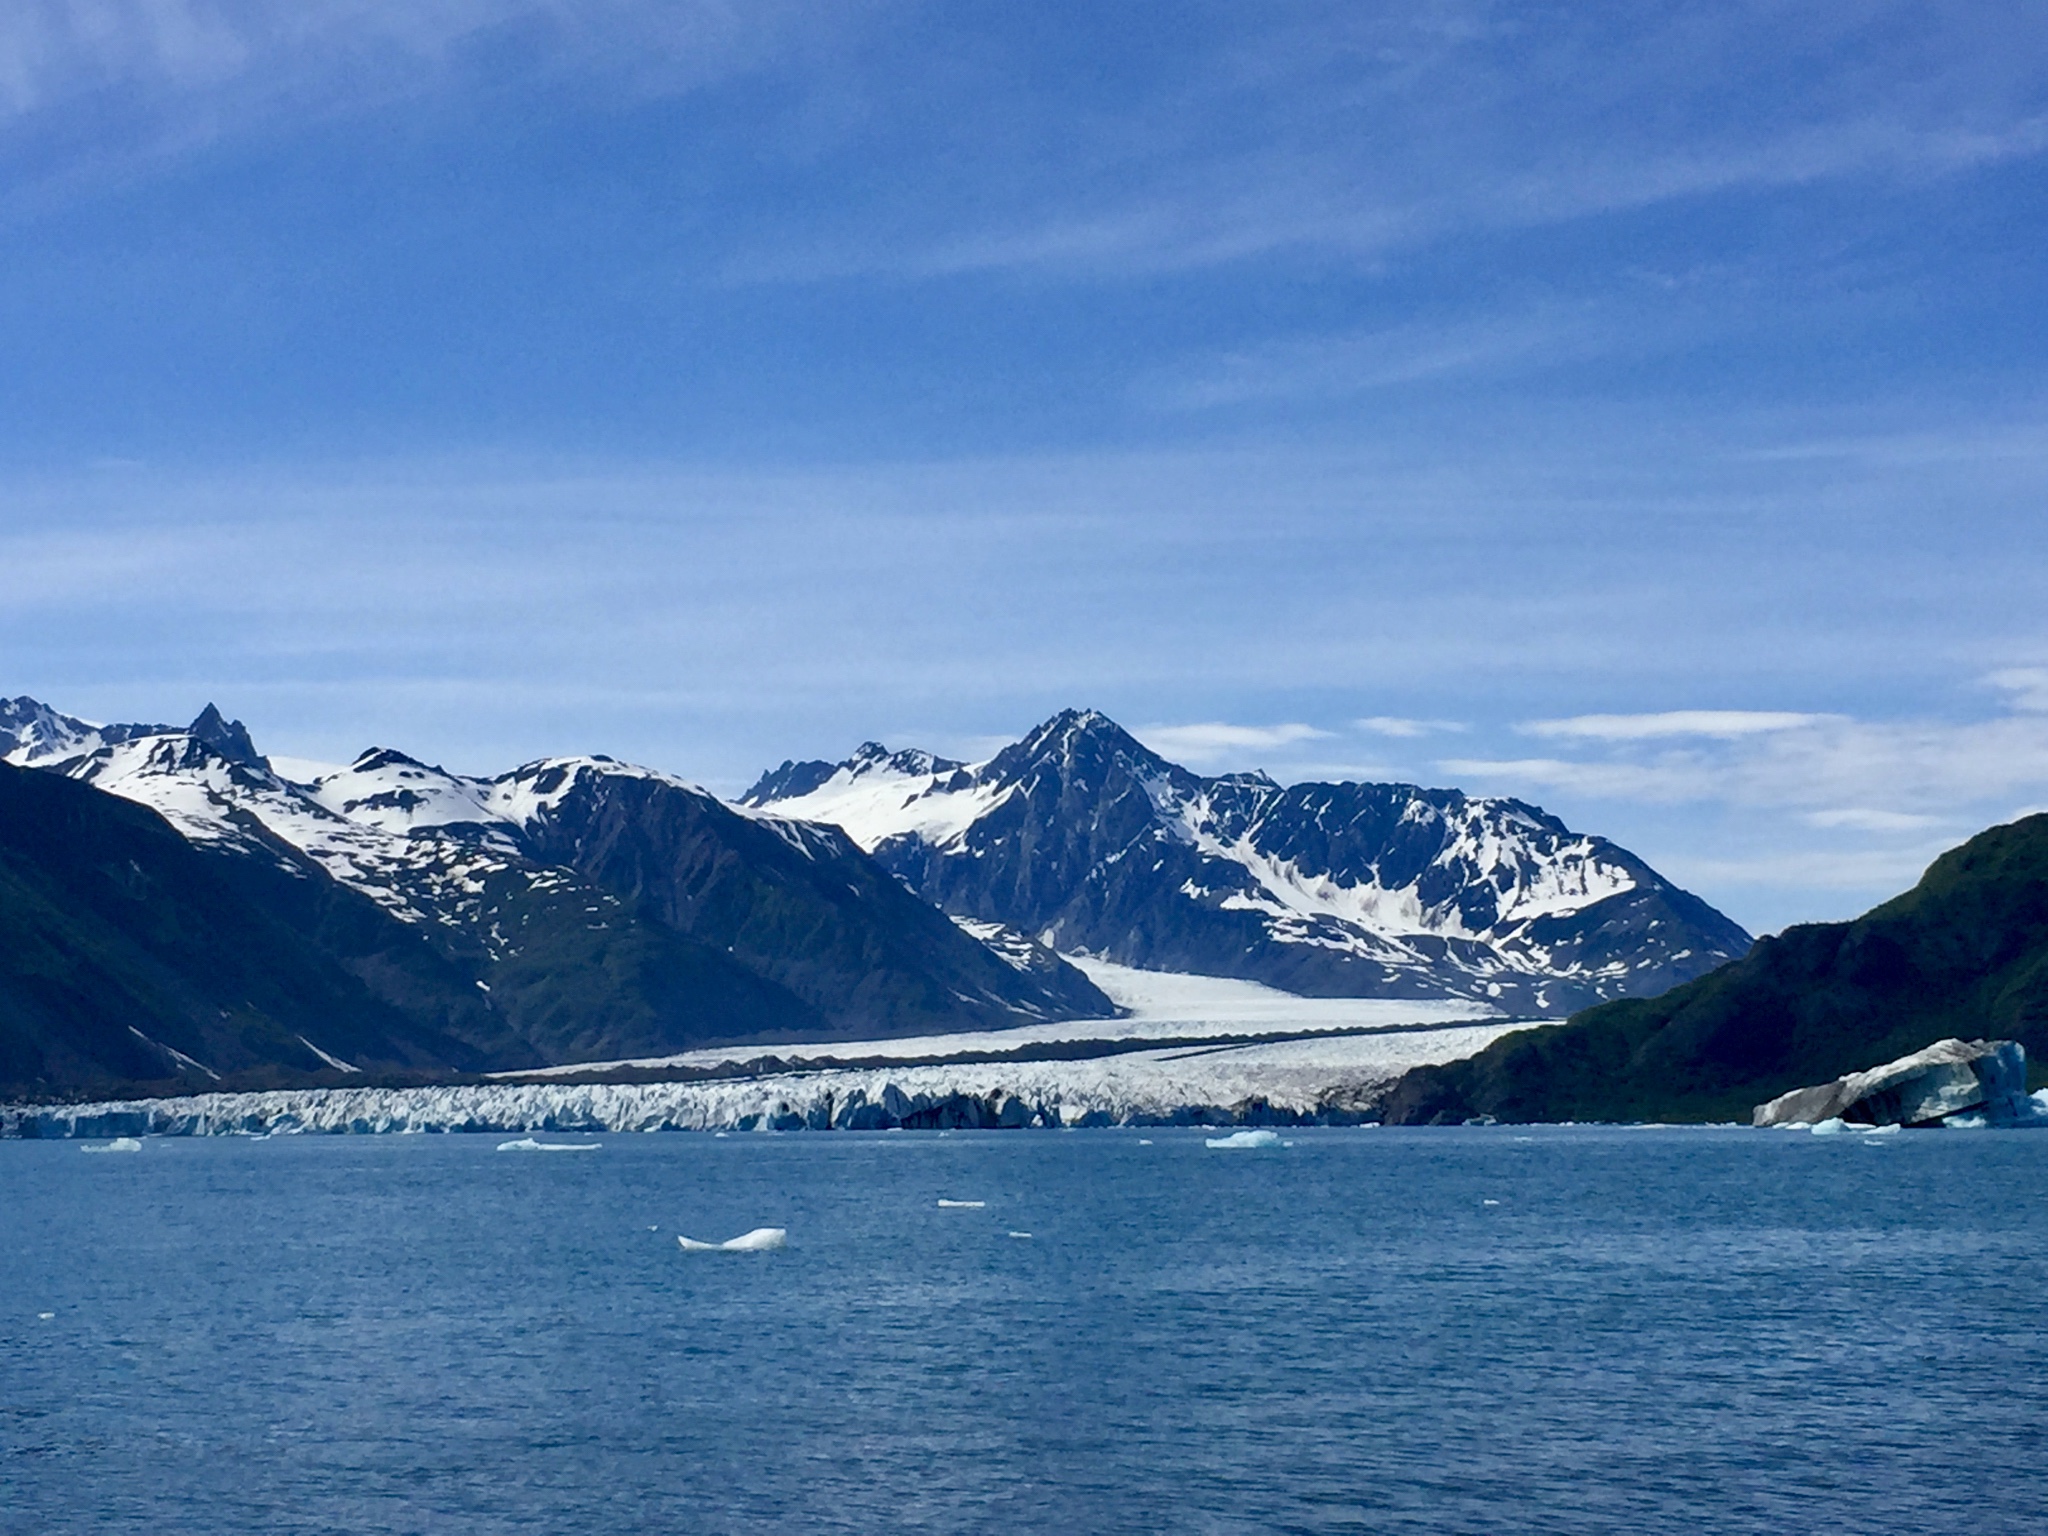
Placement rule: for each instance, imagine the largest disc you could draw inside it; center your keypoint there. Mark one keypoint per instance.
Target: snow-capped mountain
(589, 902)
(1081, 836)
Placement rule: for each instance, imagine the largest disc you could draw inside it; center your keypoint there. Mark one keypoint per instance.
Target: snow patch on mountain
(877, 794)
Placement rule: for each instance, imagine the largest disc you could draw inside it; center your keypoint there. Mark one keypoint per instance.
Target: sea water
(1498, 1329)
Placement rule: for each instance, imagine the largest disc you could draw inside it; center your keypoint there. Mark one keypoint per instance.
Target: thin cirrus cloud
(1864, 819)
(1404, 729)
(2026, 688)
(1369, 130)
(1211, 740)
(1834, 771)
(1305, 126)
(1720, 724)
(1362, 361)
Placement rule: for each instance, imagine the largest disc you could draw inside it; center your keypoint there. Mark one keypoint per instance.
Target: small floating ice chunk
(962, 1205)
(118, 1144)
(44, 1317)
(1144, 1141)
(1020, 1234)
(1489, 1202)
(760, 1240)
(528, 1144)
(1244, 1139)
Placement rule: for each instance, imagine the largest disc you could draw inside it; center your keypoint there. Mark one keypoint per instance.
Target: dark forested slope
(1965, 952)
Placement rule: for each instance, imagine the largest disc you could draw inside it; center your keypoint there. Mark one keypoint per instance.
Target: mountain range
(1085, 838)
(410, 920)
(574, 909)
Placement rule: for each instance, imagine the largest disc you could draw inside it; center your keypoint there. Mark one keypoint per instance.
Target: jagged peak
(31, 730)
(226, 738)
(1252, 778)
(791, 780)
(30, 723)
(871, 756)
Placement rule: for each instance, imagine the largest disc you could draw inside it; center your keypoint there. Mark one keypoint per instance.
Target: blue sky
(1635, 408)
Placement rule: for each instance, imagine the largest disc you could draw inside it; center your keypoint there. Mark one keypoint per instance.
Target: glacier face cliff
(1336, 1080)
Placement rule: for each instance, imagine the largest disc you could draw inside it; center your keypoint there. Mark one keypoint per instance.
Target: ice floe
(1244, 1139)
(528, 1144)
(118, 1144)
(760, 1240)
(962, 1205)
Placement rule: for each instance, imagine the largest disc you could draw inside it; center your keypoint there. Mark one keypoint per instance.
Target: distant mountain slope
(798, 903)
(593, 909)
(1081, 835)
(1964, 953)
(132, 957)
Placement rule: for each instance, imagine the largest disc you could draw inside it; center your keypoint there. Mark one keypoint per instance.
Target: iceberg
(1243, 1139)
(118, 1144)
(1949, 1080)
(962, 1205)
(528, 1144)
(760, 1240)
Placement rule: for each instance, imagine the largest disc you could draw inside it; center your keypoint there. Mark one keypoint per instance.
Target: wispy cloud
(1722, 724)
(1835, 771)
(2026, 687)
(1864, 871)
(51, 50)
(1859, 818)
(1364, 131)
(1359, 361)
(1215, 739)
(1403, 728)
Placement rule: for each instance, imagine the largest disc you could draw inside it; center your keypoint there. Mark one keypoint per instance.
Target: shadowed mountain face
(1083, 836)
(574, 910)
(132, 957)
(1964, 953)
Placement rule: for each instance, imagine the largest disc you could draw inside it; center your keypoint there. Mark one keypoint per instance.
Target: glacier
(1319, 1080)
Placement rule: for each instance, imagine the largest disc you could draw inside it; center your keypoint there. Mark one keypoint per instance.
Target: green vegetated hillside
(1964, 953)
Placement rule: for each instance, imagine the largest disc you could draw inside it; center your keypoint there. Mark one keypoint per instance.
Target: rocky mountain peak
(225, 738)
(1078, 744)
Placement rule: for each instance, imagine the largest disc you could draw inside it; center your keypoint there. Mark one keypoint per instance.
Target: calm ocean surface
(1651, 1330)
